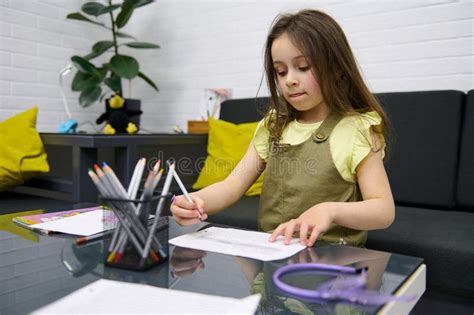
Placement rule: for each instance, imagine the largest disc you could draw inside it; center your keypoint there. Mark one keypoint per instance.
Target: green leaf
(78, 81)
(128, 6)
(114, 83)
(92, 8)
(124, 66)
(78, 16)
(82, 81)
(123, 35)
(91, 55)
(141, 45)
(125, 13)
(89, 96)
(103, 72)
(109, 8)
(145, 2)
(147, 80)
(102, 46)
(141, 3)
(85, 66)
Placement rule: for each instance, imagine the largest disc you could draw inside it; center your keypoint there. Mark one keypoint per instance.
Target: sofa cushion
(423, 160)
(243, 110)
(22, 153)
(465, 196)
(242, 214)
(444, 240)
(226, 146)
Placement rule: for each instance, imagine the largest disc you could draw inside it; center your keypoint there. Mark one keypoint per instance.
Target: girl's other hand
(187, 213)
(185, 261)
(310, 224)
(306, 256)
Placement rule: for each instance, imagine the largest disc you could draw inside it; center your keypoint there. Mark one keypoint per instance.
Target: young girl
(321, 143)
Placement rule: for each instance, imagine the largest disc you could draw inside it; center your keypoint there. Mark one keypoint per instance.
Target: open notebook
(83, 224)
(31, 221)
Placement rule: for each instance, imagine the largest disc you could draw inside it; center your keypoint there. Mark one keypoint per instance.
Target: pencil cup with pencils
(138, 242)
(135, 243)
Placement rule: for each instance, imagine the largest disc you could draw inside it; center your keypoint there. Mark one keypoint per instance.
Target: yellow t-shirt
(350, 141)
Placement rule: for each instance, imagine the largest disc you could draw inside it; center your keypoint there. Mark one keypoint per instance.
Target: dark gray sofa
(431, 171)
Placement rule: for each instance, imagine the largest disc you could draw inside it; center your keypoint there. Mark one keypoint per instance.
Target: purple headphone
(348, 286)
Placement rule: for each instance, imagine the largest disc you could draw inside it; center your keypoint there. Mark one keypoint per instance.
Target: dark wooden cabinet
(70, 156)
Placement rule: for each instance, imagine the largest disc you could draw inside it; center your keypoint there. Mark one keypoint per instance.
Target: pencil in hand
(185, 192)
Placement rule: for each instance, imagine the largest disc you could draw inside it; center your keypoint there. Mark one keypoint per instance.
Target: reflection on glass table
(381, 266)
(36, 270)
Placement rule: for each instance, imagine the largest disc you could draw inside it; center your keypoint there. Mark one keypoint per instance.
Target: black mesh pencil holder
(140, 239)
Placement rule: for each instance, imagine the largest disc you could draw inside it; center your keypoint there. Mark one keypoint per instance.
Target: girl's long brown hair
(325, 47)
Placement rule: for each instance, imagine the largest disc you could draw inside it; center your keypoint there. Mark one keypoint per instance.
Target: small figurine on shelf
(117, 116)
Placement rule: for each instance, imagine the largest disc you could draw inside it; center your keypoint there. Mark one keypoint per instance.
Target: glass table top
(36, 270)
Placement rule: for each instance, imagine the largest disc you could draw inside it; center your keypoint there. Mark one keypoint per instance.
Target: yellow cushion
(22, 153)
(227, 144)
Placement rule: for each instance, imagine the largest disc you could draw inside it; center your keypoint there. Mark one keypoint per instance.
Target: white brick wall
(400, 46)
(36, 42)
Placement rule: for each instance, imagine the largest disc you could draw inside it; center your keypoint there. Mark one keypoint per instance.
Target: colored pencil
(185, 192)
(94, 237)
(159, 208)
(143, 213)
(105, 191)
(135, 224)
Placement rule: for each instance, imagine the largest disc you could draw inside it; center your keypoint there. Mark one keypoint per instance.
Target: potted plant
(96, 82)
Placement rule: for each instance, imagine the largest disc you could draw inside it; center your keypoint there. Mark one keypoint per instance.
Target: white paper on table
(84, 224)
(112, 297)
(238, 243)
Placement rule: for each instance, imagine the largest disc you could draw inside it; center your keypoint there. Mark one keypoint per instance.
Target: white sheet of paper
(238, 243)
(83, 224)
(112, 297)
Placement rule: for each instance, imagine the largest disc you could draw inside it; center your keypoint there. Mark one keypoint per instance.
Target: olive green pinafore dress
(297, 177)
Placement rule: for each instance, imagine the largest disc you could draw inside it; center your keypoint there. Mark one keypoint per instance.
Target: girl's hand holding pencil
(184, 203)
(188, 212)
